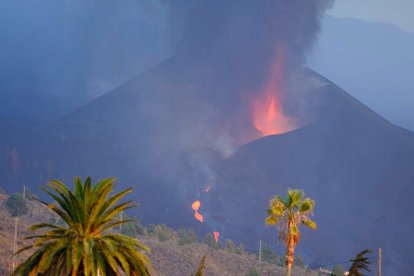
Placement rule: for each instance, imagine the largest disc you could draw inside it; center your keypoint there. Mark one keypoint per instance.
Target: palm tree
(288, 214)
(360, 263)
(84, 244)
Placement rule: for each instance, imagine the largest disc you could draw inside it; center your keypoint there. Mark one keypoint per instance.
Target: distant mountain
(373, 61)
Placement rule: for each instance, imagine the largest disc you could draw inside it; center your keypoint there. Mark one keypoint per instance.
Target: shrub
(281, 261)
(161, 232)
(253, 272)
(17, 205)
(299, 262)
(268, 255)
(186, 236)
(132, 228)
(29, 195)
(230, 246)
(338, 271)
(240, 249)
(211, 242)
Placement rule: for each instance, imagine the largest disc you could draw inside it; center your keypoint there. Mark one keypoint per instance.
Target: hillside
(348, 157)
(355, 164)
(168, 256)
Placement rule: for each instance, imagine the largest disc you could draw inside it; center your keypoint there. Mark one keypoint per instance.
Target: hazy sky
(397, 12)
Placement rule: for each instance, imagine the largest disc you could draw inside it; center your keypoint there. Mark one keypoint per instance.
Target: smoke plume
(251, 54)
(195, 24)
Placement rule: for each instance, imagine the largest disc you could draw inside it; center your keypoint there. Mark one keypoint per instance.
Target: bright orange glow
(268, 117)
(196, 205)
(198, 217)
(216, 236)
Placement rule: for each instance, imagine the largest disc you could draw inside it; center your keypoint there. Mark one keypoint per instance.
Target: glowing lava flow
(268, 117)
(198, 217)
(216, 236)
(195, 206)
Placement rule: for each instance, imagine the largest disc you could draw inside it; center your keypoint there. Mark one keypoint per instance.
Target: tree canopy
(85, 244)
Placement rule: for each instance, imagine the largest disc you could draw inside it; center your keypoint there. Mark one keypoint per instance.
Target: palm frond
(307, 206)
(201, 267)
(309, 223)
(83, 244)
(361, 262)
(294, 198)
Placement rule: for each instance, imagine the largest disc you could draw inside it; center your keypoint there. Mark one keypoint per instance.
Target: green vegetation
(240, 249)
(281, 261)
(132, 227)
(211, 242)
(288, 214)
(230, 246)
(161, 231)
(338, 270)
(16, 205)
(90, 233)
(29, 195)
(84, 245)
(253, 272)
(268, 255)
(299, 262)
(186, 236)
(361, 262)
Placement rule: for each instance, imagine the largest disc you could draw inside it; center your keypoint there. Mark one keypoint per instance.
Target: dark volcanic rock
(356, 165)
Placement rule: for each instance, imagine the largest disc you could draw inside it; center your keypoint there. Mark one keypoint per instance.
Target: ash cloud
(223, 54)
(196, 24)
(232, 45)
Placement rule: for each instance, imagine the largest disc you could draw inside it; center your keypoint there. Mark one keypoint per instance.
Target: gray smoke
(195, 24)
(238, 40)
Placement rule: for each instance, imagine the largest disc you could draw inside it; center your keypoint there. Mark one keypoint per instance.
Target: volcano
(212, 125)
(354, 163)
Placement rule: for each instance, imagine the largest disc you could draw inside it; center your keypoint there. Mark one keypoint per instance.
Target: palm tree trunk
(14, 244)
(290, 250)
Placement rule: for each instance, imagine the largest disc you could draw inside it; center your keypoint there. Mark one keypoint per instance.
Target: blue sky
(396, 12)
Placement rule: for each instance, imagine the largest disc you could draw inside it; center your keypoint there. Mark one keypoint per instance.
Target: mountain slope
(161, 133)
(356, 165)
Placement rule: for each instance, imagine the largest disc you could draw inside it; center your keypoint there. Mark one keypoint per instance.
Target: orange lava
(268, 117)
(195, 206)
(216, 236)
(199, 217)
